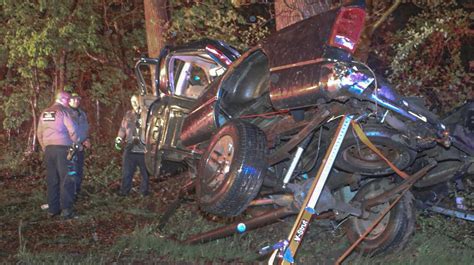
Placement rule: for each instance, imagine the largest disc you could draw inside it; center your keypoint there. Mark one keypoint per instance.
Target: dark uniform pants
(61, 186)
(130, 162)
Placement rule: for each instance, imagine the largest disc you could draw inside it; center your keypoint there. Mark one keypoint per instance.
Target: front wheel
(231, 170)
(394, 230)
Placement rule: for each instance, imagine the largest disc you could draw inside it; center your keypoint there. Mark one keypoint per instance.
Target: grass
(147, 241)
(114, 229)
(140, 240)
(438, 240)
(59, 258)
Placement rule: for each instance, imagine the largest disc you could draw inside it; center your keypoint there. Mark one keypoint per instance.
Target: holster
(71, 152)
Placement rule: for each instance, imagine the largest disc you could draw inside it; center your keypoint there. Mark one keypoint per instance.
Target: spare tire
(355, 157)
(231, 171)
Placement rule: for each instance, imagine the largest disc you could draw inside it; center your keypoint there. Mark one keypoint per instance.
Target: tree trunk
(156, 21)
(33, 104)
(60, 72)
(35, 86)
(288, 12)
(97, 113)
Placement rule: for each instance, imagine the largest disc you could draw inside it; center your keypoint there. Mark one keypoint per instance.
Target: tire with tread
(228, 189)
(393, 232)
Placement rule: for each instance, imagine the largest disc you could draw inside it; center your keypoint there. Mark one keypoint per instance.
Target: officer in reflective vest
(56, 133)
(134, 153)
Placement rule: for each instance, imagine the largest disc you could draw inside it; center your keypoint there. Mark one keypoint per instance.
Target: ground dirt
(124, 230)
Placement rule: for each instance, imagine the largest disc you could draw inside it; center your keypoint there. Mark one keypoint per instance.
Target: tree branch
(384, 17)
(100, 60)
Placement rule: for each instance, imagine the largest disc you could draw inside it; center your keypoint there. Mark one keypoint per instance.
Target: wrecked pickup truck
(253, 128)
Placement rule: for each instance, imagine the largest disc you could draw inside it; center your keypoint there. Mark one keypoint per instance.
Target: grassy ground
(113, 229)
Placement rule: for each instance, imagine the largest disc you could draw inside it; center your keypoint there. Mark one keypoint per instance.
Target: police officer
(56, 133)
(80, 119)
(134, 153)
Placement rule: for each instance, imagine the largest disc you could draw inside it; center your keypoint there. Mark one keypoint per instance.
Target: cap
(75, 95)
(62, 95)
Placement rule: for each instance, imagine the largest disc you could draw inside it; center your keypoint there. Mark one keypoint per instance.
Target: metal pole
(256, 222)
(286, 255)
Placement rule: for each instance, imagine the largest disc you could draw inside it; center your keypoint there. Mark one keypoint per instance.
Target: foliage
(18, 109)
(100, 40)
(35, 35)
(87, 45)
(430, 3)
(43, 29)
(426, 57)
(15, 163)
(91, 47)
(213, 19)
(102, 166)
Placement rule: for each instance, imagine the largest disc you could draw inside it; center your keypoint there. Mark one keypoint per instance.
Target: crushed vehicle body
(253, 128)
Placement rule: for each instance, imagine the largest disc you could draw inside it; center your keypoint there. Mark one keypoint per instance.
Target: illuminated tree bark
(288, 12)
(156, 22)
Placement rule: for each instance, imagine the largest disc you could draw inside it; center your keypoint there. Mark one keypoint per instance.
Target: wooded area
(91, 47)
(423, 47)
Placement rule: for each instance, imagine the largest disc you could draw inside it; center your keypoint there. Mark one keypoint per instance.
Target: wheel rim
(363, 157)
(361, 225)
(218, 164)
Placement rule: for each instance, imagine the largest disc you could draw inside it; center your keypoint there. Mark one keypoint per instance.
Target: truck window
(190, 79)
